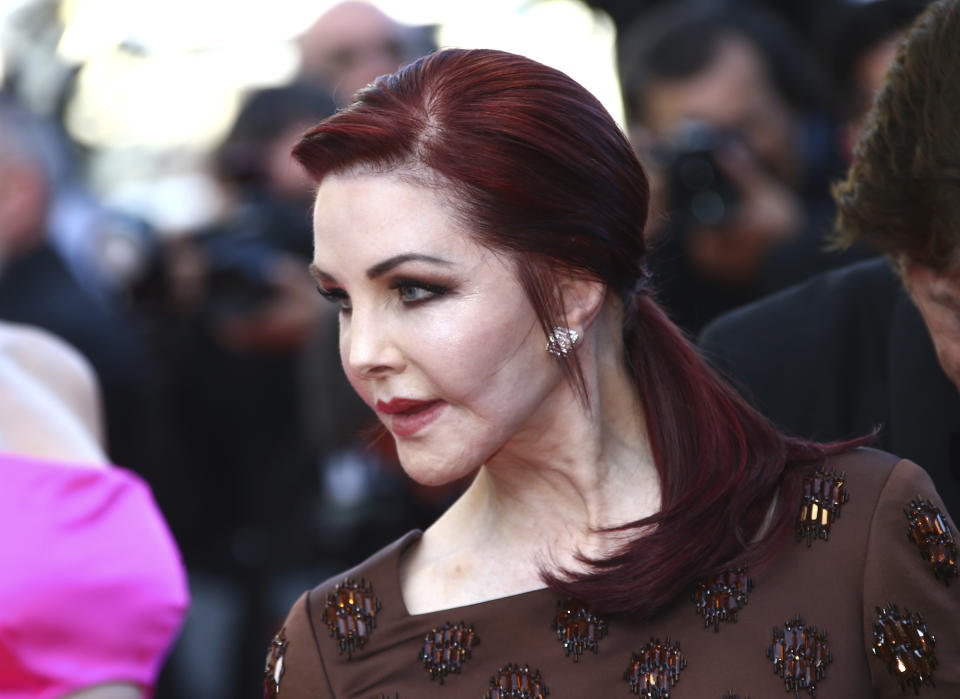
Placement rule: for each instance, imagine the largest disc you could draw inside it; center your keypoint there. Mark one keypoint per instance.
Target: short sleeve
(294, 667)
(93, 588)
(911, 595)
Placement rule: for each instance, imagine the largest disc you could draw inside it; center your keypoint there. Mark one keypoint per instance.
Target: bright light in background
(124, 101)
(564, 34)
(177, 80)
(182, 25)
(161, 81)
(92, 27)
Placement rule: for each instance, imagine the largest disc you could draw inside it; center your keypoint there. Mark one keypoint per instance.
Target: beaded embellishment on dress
(273, 670)
(445, 649)
(517, 682)
(903, 643)
(655, 670)
(351, 614)
(721, 597)
(800, 656)
(824, 493)
(577, 628)
(931, 533)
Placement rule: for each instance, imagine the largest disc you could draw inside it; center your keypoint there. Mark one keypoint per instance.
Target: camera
(700, 193)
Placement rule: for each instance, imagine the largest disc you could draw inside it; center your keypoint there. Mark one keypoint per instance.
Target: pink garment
(92, 588)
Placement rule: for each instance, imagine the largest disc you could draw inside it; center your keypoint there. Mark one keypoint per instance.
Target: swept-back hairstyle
(538, 169)
(902, 191)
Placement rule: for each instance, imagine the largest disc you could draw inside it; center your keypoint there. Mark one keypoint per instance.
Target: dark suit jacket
(38, 289)
(840, 354)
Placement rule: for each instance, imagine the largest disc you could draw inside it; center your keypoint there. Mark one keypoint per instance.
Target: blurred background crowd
(151, 216)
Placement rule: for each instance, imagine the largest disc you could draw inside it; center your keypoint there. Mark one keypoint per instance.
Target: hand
(768, 214)
(282, 323)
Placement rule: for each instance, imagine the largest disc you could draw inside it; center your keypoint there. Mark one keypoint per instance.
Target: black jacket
(836, 356)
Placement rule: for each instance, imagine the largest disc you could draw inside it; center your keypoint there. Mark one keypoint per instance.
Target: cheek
(487, 359)
(948, 352)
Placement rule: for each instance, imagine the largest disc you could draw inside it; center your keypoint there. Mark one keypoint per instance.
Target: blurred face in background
(285, 177)
(23, 201)
(733, 93)
(349, 46)
(436, 332)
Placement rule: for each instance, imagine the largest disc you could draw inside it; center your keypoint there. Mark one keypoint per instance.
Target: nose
(367, 347)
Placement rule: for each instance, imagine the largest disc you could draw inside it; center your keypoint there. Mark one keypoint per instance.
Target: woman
(633, 526)
(92, 591)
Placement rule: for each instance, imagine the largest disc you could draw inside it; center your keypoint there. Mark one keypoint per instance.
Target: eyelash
(434, 290)
(339, 296)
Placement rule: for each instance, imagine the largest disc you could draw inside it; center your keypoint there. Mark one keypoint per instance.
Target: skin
(23, 201)
(550, 469)
(349, 45)
(937, 297)
(49, 408)
(49, 402)
(109, 691)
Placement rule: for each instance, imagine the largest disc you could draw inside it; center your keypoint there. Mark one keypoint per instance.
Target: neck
(583, 469)
(545, 497)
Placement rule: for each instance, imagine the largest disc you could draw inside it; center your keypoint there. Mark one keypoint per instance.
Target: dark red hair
(538, 168)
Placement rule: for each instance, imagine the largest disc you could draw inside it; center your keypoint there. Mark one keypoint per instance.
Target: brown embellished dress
(866, 603)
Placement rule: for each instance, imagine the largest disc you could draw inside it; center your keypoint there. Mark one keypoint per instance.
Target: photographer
(726, 106)
(231, 309)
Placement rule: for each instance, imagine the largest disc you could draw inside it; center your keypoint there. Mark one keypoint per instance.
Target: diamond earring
(561, 341)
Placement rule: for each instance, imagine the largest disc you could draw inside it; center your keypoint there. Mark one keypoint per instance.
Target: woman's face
(436, 332)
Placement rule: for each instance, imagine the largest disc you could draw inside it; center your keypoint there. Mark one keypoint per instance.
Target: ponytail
(721, 466)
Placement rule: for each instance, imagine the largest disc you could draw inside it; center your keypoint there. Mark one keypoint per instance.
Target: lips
(406, 417)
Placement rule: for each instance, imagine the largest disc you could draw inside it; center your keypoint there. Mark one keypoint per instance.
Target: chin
(433, 471)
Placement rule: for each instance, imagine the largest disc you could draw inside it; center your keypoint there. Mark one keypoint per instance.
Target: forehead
(734, 81)
(362, 217)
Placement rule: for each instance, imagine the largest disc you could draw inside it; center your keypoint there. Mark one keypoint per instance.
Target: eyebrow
(381, 268)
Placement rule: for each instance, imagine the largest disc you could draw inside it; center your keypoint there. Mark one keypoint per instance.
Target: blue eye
(412, 292)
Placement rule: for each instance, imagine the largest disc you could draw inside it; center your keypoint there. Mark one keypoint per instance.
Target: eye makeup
(413, 291)
(338, 296)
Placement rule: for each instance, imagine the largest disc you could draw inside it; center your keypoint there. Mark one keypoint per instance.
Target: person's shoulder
(93, 523)
(831, 298)
(335, 619)
(865, 464)
(109, 572)
(48, 357)
(872, 479)
(882, 469)
(381, 568)
(911, 559)
(57, 367)
(294, 661)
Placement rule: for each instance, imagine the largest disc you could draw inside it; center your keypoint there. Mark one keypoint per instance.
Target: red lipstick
(407, 416)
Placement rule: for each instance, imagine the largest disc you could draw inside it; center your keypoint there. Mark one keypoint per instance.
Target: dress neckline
(400, 547)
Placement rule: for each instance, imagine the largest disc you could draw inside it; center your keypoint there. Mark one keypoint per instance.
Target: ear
(582, 300)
